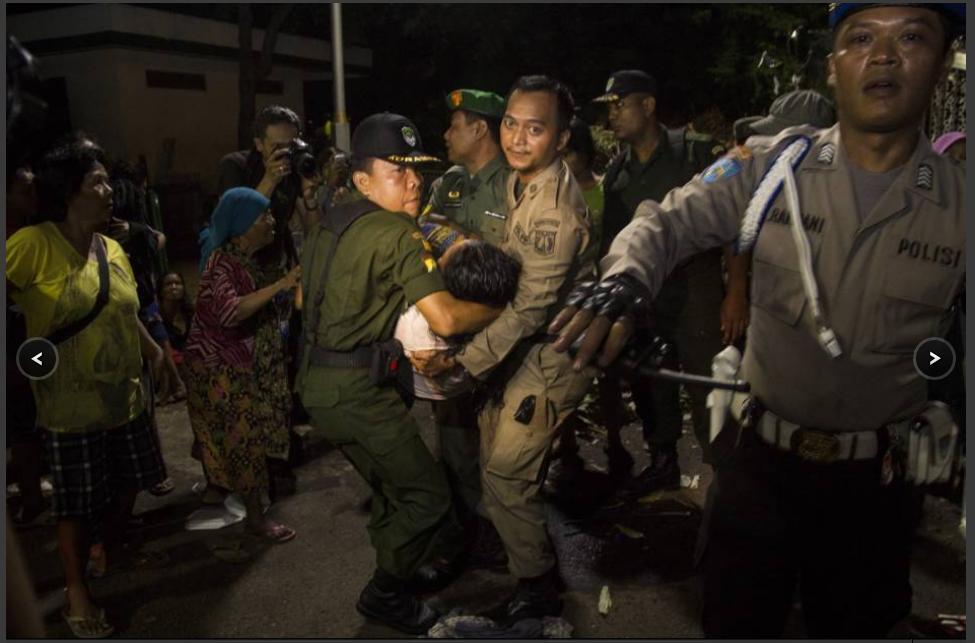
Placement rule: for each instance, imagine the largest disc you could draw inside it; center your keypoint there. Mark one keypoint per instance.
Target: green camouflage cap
(476, 101)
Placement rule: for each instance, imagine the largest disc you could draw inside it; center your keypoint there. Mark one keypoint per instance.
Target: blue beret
(953, 11)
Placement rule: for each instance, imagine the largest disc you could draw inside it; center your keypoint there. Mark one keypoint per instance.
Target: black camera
(302, 159)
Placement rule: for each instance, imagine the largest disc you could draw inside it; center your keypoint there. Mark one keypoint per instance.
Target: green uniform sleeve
(415, 270)
(435, 205)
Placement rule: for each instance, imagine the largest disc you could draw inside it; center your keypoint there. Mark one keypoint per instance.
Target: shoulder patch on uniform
(925, 177)
(826, 154)
(722, 169)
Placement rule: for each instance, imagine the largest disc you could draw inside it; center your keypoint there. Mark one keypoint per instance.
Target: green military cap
(477, 102)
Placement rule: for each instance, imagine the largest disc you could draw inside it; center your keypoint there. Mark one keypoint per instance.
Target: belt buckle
(815, 446)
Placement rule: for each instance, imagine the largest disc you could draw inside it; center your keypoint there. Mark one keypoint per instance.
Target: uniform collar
(919, 176)
(544, 186)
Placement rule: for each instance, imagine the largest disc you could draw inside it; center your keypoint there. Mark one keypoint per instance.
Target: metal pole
(342, 137)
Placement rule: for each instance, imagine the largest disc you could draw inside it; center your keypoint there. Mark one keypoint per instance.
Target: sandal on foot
(164, 487)
(276, 533)
(87, 627)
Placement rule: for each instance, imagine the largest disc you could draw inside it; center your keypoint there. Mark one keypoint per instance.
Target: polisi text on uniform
(924, 251)
(810, 222)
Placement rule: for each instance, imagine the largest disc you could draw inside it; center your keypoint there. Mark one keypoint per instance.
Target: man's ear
(362, 182)
(830, 71)
(563, 141)
(649, 105)
(259, 145)
(480, 129)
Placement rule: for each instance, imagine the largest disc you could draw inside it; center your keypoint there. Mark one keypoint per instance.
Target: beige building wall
(108, 95)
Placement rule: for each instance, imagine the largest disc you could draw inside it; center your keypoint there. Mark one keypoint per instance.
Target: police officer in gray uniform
(858, 238)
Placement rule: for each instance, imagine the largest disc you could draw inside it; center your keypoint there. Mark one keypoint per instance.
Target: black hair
(60, 175)
(580, 140)
(539, 83)
(493, 124)
(357, 164)
(275, 115)
(482, 273)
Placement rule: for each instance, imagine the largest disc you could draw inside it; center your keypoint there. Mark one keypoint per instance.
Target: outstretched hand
(598, 318)
(589, 332)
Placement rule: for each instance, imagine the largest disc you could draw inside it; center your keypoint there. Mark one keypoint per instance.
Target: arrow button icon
(934, 358)
(37, 358)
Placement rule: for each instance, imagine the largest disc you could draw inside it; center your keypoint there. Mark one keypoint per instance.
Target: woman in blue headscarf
(235, 354)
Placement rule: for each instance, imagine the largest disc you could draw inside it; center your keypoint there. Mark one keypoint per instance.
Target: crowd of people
(492, 295)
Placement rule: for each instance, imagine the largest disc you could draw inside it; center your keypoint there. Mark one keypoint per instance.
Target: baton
(645, 360)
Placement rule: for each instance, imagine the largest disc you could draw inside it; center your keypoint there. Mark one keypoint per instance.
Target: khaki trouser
(515, 454)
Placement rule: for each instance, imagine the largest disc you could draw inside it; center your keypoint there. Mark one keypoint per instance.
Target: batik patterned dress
(237, 392)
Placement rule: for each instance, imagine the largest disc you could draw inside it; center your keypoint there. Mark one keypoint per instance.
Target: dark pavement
(184, 587)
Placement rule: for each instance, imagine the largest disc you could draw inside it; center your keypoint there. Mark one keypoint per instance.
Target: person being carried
(475, 271)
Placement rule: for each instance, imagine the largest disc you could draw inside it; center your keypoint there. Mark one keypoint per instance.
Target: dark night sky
(704, 56)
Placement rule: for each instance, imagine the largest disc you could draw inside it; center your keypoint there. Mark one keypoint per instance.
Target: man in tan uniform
(810, 486)
(547, 231)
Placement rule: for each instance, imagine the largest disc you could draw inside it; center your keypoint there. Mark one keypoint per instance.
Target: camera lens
(305, 165)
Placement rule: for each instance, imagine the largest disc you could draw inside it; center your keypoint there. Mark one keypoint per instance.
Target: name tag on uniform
(496, 215)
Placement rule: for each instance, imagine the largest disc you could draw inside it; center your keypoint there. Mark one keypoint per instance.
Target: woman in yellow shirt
(96, 428)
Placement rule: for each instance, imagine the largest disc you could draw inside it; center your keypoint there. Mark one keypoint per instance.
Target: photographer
(282, 167)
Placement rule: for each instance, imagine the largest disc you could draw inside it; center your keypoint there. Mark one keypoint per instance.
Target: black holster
(390, 367)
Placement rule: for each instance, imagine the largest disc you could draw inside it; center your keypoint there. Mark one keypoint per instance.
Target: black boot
(386, 599)
(535, 597)
(437, 573)
(663, 472)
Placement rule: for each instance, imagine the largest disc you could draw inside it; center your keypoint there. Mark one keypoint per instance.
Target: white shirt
(413, 331)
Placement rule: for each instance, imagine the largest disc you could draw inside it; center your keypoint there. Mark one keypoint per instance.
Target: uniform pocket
(912, 306)
(778, 291)
(519, 449)
(319, 391)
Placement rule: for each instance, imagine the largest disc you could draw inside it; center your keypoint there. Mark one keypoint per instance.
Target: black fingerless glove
(615, 297)
(580, 293)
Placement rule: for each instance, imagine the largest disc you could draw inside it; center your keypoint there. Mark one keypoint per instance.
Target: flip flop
(163, 488)
(87, 627)
(276, 534)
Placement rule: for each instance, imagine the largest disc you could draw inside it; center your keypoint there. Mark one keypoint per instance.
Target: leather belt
(815, 445)
(360, 357)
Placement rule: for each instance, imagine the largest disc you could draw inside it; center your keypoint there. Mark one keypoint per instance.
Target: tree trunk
(254, 69)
